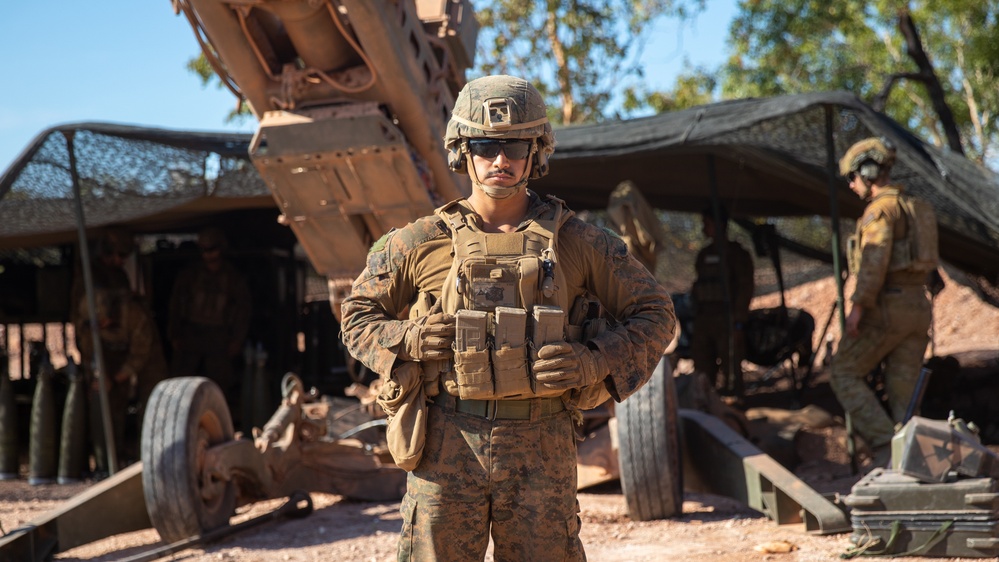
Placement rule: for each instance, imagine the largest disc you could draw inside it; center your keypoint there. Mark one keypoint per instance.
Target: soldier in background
(892, 255)
(133, 361)
(721, 306)
(130, 345)
(107, 269)
(210, 309)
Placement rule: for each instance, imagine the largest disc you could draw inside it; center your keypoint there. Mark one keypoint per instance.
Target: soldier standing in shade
(892, 254)
(133, 359)
(494, 452)
(107, 268)
(721, 306)
(210, 309)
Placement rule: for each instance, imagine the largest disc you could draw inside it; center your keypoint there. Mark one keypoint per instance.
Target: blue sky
(123, 61)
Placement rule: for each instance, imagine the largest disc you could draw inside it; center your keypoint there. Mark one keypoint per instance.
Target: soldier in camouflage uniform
(890, 311)
(498, 466)
(133, 359)
(719, 315)
(210, 309)
(107, 269)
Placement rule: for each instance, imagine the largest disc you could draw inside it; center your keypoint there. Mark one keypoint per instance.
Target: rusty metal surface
(110, 507)
(344, 181)
(596, 456)
(724, 463)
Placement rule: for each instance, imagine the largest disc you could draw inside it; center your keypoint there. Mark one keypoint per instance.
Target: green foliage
(796, 46)
(578, 53)
(693, 87)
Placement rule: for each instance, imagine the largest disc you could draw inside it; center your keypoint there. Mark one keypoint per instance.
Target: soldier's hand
(429, 338)
(566, 365)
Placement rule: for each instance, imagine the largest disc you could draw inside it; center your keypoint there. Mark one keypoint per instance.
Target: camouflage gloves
(428, 338)
(565, 365)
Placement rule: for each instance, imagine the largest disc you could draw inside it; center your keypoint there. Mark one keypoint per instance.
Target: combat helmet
(500, 107)
(868, 157)
(212, 238)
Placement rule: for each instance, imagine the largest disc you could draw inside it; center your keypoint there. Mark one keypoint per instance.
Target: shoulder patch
(391, 249)
(379, 244)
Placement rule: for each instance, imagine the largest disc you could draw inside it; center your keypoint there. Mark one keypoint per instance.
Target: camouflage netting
(765, 158)
(770, 158)
(127, 175)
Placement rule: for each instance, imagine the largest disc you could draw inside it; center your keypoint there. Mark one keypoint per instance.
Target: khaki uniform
(131, 348)
(894, 326)
(494, 472)
(209, 319)
(710, 341)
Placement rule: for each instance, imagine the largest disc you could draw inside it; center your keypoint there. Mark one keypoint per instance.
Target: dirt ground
(711, 528)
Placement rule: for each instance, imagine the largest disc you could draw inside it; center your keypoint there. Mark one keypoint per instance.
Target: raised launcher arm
(353, 98)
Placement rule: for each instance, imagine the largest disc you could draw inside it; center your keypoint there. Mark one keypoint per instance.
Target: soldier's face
(859, 186)
(499, 170)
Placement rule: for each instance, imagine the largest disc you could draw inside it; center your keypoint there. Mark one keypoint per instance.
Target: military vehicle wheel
(649, 448)
(185, 416)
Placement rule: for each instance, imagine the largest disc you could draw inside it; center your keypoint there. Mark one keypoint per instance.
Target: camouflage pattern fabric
(132, 351)
(895, 331)
(513, 479)
(709, 350)
(416, 259)
(894, 326)
(208, 322)
(710, 341)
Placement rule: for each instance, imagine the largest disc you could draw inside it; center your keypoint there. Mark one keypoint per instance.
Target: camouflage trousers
(709, 348)
(896, 332)
(512, 479)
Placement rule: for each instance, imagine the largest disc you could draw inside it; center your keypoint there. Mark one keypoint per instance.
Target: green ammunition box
(893, 513)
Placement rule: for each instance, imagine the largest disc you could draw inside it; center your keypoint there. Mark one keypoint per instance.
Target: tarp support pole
(834, 215)
(720, 239)
(88, 283)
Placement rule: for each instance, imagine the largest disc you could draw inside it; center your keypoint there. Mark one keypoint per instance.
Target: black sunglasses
(514, 149)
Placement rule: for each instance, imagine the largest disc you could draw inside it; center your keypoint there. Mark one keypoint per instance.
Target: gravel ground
(711, 527)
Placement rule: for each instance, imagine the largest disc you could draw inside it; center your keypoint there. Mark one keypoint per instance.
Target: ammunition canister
(9, 458)
(42, 446)
(73, 441)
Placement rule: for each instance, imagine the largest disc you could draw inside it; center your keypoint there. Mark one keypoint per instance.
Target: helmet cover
(870, 149)
(499, 107)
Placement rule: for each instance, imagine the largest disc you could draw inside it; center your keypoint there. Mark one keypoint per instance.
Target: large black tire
(185, 416)
(649, 455)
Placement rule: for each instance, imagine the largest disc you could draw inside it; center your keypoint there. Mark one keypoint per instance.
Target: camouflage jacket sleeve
(644, 320)
(373, 325)
(142, 338)
(875, 237)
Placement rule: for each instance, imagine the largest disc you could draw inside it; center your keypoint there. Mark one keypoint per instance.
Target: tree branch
(914, 48)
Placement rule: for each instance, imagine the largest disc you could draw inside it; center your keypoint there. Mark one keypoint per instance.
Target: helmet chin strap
(498, 192)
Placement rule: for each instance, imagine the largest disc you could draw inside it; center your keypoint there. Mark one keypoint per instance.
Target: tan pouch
(405, 402)
(473, 374)
(510, 371)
